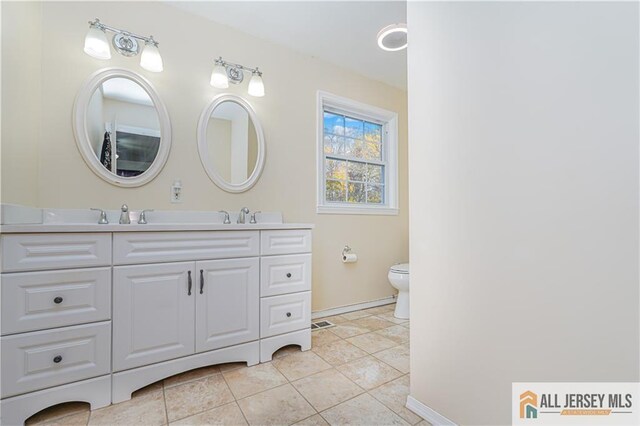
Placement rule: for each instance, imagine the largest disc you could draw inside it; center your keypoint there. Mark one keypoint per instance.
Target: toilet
(399, 279)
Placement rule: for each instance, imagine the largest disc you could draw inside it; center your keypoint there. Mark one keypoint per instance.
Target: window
(357, 157)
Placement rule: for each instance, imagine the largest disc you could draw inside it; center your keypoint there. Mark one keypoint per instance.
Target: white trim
(354, 307)
(389, 119)
(81, 132)
(428, 413)
(356, 209)
(203, 146)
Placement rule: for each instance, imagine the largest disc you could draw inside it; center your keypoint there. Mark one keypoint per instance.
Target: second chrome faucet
(242, 215)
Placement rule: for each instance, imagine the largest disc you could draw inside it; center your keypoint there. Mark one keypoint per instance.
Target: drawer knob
(288, 274)
(288, 314)
(57, 359)
(57, 300)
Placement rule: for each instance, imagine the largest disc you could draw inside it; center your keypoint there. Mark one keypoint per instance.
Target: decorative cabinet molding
(83, 322)
(154, 247)
(31, 252)
(41, 300)
(153, 318)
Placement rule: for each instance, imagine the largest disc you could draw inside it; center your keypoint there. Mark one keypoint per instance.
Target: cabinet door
(153, 313)
(227, 302)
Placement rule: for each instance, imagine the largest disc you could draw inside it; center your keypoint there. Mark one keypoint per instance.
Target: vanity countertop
(150, 227)
(20, 219)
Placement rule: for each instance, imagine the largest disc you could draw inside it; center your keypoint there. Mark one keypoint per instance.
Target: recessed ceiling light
(393, 37)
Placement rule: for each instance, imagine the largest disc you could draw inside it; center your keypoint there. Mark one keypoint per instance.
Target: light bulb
(150, 59)
(96, 44)
(256, 86)
(219, 77)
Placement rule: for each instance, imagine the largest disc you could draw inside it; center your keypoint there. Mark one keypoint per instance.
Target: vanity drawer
(43, 359)
(40, 300)
(285, 274)
(153, 247)
(29, 252)
(282, 314)
(286, 241)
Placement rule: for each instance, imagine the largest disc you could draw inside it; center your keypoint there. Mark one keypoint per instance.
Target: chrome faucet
(226, 217)
(103, 216)
(241, 216)
(142, 220)
(253, 217)
(124, 215)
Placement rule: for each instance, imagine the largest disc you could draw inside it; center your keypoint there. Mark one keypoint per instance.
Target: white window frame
(389, 120)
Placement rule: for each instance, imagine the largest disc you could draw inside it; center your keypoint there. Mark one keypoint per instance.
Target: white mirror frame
(203, 146)
(82, 135)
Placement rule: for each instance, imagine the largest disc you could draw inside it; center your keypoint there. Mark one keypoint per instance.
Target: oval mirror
(231, 143)
(122, 128)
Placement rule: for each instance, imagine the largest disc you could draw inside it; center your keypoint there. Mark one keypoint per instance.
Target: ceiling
(340, 32)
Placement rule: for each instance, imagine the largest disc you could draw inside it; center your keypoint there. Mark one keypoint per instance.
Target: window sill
(382, 211)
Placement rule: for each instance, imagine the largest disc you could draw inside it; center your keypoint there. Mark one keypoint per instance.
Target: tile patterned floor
(357, 373)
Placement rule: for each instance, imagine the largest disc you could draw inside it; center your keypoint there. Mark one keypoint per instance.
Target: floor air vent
(321, 324)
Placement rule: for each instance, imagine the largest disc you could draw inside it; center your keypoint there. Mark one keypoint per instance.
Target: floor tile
(322, 337)
(301, 364)
(371, 342)
(388, 316)
(372, 323)
(424, 423)
(390, 307)
(363, 410)
(231, 366)
(58, 411)
(153, 387)
(191, 375)
(377, 310)
(326, 389)
(355, 315)
(405, 324)
(287, 350)
(226, 415)
(394, 396)
(397, 333)
(196, 396)
(369, 372)
(339, 352)
(397, 357)
(249, 381)
(147, 410)
(348, 329)
(78, 419)
(315, 420)
(279, 406)
(336, 319)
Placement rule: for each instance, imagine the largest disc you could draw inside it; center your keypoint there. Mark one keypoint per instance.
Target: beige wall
(188, 45)
(21, 102)
(524, 199)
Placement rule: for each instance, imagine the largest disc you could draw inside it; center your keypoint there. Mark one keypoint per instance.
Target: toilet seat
(400, 268)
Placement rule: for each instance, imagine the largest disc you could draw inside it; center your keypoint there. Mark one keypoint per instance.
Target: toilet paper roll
(349, 258)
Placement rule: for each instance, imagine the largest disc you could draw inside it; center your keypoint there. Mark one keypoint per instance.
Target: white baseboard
(351, 308)
(427, 413)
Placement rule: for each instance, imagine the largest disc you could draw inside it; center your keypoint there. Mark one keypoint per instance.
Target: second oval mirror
(231, 143)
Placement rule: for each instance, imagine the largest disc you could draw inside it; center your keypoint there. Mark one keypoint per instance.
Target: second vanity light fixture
(225, 72)
(125, 42)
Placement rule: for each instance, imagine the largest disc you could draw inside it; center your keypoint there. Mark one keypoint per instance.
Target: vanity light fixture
(125, 42)
(225, 72)
(393, 37)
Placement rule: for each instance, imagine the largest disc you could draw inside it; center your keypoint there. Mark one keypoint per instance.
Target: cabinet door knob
(201, 281)
(190, 283)
(57, 300)
(288, 274)
(288, 314)
(57, 359)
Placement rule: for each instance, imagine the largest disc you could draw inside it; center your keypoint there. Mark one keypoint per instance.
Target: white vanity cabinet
(93, 317)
